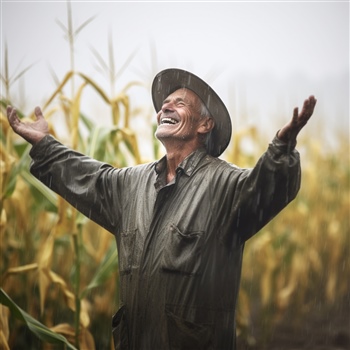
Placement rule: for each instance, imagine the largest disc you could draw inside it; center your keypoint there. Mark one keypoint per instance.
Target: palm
(32, 132)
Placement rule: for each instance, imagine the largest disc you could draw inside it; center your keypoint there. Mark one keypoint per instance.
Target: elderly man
(180, 223)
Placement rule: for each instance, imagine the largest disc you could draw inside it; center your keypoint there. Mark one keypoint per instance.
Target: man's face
(179, 117)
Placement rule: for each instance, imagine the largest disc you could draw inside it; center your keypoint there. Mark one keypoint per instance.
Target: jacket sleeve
(92, 187)
(262, 192)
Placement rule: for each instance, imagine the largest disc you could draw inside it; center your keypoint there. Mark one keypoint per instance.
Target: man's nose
(167, 107)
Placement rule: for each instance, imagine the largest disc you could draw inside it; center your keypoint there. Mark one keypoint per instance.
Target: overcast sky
(263, 58)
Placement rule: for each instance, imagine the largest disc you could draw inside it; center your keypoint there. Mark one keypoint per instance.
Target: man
(180, 223)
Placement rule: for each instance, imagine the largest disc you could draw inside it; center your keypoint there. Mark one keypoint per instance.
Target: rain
(62, 269)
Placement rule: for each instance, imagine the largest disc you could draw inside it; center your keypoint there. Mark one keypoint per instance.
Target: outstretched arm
(32, 132)
(289, 132)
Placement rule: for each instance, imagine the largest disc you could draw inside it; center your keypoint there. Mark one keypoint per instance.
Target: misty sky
(263, 58)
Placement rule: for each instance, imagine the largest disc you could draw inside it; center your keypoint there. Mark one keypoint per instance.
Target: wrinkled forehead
(185, 94)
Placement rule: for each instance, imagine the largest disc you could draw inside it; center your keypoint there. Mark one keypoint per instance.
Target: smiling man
(183, 124)
(180, 223)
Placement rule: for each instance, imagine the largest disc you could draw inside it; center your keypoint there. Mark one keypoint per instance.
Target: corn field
(59, 271)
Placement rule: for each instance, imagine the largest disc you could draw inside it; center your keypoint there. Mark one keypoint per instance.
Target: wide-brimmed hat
(170, 80)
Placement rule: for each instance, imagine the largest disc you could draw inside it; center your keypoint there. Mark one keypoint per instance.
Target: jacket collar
(187, 166)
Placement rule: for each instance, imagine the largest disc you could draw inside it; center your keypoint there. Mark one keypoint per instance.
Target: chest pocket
(182, 251)
(130, 251)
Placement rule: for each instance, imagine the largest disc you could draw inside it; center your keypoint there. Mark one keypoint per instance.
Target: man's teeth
(169, 121)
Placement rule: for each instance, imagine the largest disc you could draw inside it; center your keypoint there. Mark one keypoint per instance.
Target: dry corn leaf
(20, 269)
(58, 90)
(69, 296)
(96, 87)
(3, 221)
(64, 224)
(45, 254)
(4, 324)
(84, 313)
(4, 124)
(96, 240)
(3, 341)
(44, 265)
(115, 112)
(86, 340)
(44, 283)
(65, 329)
(75, 113)
(129, 137)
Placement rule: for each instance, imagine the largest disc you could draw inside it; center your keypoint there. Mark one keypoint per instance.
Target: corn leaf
(75, 116)
(131, 143)
(58, 90)
(98, 142)
(49, 198)
(76, 32)
(15, 171)
(107, 267)
(96, 87)
(39, 329)
(87, 122)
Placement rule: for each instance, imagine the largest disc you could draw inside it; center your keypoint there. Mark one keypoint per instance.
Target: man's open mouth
(168, 120)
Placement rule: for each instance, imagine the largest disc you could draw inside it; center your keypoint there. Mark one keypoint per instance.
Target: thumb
(38, 113)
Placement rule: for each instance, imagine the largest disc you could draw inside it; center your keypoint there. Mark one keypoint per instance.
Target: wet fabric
(180, 244)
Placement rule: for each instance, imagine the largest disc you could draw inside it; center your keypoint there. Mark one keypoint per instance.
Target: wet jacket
(180, 244)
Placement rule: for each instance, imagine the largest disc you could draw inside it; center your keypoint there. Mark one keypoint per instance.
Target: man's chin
(163, 133)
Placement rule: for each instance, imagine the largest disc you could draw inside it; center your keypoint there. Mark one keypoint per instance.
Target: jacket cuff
(41, 147)
(285, 147)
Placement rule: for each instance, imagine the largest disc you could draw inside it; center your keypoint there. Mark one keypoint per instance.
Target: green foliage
(40, 330)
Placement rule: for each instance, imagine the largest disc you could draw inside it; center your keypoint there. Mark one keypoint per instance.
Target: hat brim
(170, 80)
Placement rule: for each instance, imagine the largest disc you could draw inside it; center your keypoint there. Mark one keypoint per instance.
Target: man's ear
(206, 126)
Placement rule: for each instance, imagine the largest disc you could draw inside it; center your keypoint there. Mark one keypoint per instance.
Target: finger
(306, 105)
(306, 111)
(295, 114)
(312, 102)
(38, 113)
(312, 99)
(12, 116)
(9, 110)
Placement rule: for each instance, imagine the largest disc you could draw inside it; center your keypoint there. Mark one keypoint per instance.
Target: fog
(262, 58)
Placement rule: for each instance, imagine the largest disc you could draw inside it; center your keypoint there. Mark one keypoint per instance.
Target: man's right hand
(32, 132)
